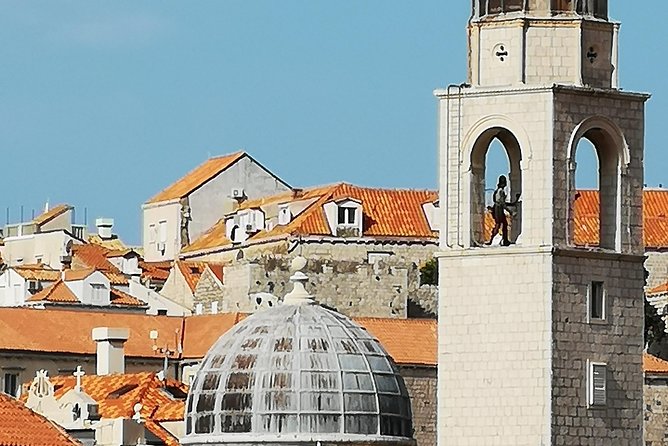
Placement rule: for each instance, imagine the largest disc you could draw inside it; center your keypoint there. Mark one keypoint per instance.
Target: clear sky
(103, 104)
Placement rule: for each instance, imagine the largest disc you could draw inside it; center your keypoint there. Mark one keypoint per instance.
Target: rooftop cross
(78, 374)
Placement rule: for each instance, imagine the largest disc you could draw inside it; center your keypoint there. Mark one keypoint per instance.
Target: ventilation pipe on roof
(110, 349)
(104, 226)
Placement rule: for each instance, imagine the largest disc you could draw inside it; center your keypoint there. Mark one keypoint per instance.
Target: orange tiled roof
(93, 256)
(51, 214)
(197, 177)
(417, 344)
(119, 297)
(661, 289)
(217, 269)
(163, 434)
(117, 394)
(155, 270)
(37, 272)
(388, 213)
(69, 331)
(59, 292)
(73, 275)
(20, 426)
(191, 272)
(653, 365)
(655, 218)
(204, 330)
(408, 341)
(113, 243)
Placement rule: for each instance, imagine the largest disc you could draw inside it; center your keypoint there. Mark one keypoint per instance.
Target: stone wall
(421, 383)
(657, 265)
(616, 340)
(352, 287)
(656, 411)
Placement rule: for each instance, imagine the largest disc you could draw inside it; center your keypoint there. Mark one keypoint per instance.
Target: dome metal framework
(298, 373)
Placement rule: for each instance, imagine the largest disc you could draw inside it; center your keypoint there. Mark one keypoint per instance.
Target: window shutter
(598, 385)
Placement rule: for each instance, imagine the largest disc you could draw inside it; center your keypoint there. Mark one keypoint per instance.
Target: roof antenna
(46, 205)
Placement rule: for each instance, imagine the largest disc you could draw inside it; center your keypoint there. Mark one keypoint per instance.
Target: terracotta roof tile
(93, 256)
(117, 279)
(113, 243)
(388, 213)
(197, 177)
(204, 330)
(653, 365)
(408, 341)
(69, 331)
(163, 434)
(155, 270)
(51, 214)
(73, 275)
(37, 272)
(191, 272)
(59, 292)
(119, 297)
(586, 225)
(661, 289)
(20, 426)
(118, 393)
(217, 269)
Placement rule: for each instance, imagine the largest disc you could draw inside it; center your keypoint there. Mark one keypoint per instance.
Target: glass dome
(297, 373)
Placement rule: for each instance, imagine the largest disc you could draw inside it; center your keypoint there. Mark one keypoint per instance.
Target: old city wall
(353, 287)
(656, 411)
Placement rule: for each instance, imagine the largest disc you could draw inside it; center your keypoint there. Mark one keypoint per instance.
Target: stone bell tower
(540, 342)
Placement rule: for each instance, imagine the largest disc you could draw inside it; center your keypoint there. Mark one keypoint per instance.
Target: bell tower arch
(541, 340)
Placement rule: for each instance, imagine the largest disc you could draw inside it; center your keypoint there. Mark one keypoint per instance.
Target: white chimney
(110, 354)
(214, 307)
(104, 226)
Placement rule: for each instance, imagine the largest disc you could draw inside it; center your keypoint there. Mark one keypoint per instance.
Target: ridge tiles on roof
(197, 177)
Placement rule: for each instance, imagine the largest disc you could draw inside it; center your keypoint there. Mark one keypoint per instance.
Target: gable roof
(387, 213)
(20, 426)
(191, 272)
(95, 256)
(197, 177)
(51, 214)
(119, 297)
(112, 243)
(57, 292)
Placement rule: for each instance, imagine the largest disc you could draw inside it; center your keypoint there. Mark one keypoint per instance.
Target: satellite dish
(68, 247)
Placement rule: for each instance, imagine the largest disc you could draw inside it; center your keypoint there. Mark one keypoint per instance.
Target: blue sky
(102, 104)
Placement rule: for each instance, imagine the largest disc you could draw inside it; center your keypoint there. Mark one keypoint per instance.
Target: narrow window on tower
(597, 384)
(597, 302)
(494, 6)
(513, 5)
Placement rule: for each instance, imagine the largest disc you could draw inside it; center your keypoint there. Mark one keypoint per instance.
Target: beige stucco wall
(152, 215)
(48, 247)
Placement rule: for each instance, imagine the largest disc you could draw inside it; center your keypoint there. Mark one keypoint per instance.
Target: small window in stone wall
(597, 384)
(597, 302)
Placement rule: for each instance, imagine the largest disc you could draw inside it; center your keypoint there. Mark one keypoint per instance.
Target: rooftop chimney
(110, 355)
(104, 226)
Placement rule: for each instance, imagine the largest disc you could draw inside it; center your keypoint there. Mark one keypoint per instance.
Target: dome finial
(298, 295)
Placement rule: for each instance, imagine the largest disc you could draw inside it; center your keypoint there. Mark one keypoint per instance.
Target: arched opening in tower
(594, 178)
(496, 153)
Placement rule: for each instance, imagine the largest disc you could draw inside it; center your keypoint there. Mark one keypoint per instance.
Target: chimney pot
(110, 349)
(104, 226)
